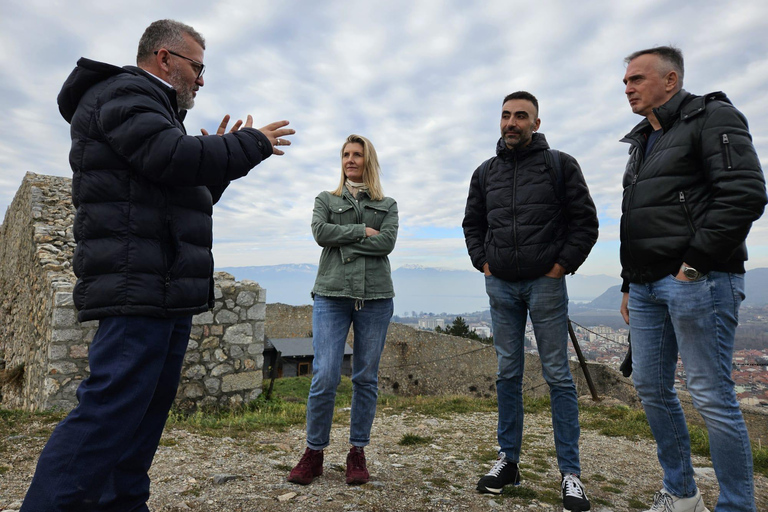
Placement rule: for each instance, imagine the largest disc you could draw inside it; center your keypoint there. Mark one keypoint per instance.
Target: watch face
(691, 273)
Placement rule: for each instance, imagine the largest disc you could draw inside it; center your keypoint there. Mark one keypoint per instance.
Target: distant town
(608, 345)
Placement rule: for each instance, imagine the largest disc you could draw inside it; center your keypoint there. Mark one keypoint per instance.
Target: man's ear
(670, 81)
(162, 60)
(537, 124)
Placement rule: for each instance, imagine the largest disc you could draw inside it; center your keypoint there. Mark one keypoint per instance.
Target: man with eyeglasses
(144, 192)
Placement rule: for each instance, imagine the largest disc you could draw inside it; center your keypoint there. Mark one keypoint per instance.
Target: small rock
(286, 497)
(222, 479)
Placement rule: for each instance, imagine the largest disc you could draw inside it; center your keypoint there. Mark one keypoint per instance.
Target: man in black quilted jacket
(529, 220)
(693, 186)
(144, 192)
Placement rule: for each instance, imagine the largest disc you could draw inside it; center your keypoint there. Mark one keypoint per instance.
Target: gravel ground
(248, 472)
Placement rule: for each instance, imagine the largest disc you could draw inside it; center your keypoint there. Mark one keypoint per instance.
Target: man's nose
(200, 81)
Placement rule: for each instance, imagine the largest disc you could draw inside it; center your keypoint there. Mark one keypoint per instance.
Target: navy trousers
(97, 458)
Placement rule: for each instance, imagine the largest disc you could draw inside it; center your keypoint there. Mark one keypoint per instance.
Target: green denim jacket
(351, 264)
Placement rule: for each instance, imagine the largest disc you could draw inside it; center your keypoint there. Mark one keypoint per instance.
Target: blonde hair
(371, 169)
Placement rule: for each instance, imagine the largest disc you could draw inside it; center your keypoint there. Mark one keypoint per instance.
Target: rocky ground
(196, 472)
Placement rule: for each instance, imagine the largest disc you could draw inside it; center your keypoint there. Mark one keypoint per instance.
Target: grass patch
(620, 421)
(611, 489)
(437, 406)
(485, 455)
(635, 503)
(413, 439)
(168, 442)
(518, 491)
(551, 497)
(533, 477)
(440, 482)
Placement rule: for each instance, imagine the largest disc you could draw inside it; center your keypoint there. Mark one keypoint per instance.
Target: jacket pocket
(342, 213)
(686, 213)
(725, 143)
(374, 215)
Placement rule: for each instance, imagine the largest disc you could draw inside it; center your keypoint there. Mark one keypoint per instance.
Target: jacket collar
(667, 114)
(682, 106)
(169, 91)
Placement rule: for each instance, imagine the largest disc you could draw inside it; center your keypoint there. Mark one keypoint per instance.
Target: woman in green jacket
(356, 225)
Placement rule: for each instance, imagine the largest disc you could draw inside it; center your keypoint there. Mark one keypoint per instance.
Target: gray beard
(184, 97)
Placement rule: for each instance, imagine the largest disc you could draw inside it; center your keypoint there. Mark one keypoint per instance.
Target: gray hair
(168, 34)
(670, 56)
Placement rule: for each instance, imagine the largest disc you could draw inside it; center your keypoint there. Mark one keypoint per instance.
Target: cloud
(423, 80)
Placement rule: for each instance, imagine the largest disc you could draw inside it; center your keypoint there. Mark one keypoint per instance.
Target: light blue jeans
(546, 299)
(698, 320)
(331, 318)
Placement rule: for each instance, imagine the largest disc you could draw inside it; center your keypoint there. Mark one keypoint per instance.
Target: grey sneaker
(503, 472)
(663, 501)
(574, 495)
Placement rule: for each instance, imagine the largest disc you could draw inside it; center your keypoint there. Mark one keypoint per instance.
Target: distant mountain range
(434, 290)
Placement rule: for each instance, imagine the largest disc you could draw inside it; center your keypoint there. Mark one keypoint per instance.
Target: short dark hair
(168, 34)
(671, 55)
(522, 95)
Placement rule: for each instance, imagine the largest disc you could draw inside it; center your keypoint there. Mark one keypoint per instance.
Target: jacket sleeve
(139, 127)
(378, 245)
(737, 187)
(328, 234)
(475, 223)
(581, 217)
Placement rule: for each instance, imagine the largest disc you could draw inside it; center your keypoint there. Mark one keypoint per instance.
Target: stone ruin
(44, 350)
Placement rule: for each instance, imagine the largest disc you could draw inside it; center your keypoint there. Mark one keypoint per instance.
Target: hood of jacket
(88, 73)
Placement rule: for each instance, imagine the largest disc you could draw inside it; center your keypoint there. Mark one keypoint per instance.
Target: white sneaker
(663, 501)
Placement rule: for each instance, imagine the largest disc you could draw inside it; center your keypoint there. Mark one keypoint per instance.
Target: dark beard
(184, 97)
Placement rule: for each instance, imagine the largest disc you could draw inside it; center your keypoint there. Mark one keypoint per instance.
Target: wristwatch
(690, 272)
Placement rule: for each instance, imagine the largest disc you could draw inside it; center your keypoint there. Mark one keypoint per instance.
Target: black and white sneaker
(503, 472)
(574, 496)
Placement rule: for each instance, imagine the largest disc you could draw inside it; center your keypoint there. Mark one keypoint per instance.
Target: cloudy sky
(422, 79)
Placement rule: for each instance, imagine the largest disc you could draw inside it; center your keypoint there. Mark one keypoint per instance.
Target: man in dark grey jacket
(529, 220)
(692, 188)
(144, 192)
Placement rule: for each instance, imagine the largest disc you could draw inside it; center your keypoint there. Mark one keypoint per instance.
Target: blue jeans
(97, 458)
(331, 318)
(698, 320)
(546, 299)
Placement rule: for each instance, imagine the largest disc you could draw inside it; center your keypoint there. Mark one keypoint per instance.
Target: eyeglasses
(200, 65)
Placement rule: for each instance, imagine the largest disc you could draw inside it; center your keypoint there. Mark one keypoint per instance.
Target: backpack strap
(552, 159)
(484, 167)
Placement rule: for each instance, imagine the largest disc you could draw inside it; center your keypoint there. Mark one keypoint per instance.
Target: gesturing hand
(274, 131)
(223, 126)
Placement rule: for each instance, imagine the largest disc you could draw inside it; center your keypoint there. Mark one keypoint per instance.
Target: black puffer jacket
(144, 192)
(515, 220)
(695, 197)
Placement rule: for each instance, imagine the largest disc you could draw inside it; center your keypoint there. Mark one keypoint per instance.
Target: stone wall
(36, 248)
(224, 360)
(39, 331)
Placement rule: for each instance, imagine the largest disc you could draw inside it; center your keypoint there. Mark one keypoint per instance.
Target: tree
(459, 328)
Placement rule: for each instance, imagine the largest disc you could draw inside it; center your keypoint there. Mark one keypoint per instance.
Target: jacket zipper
(726, 151)
(514, 217)
(686, 213)
(636, 173)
